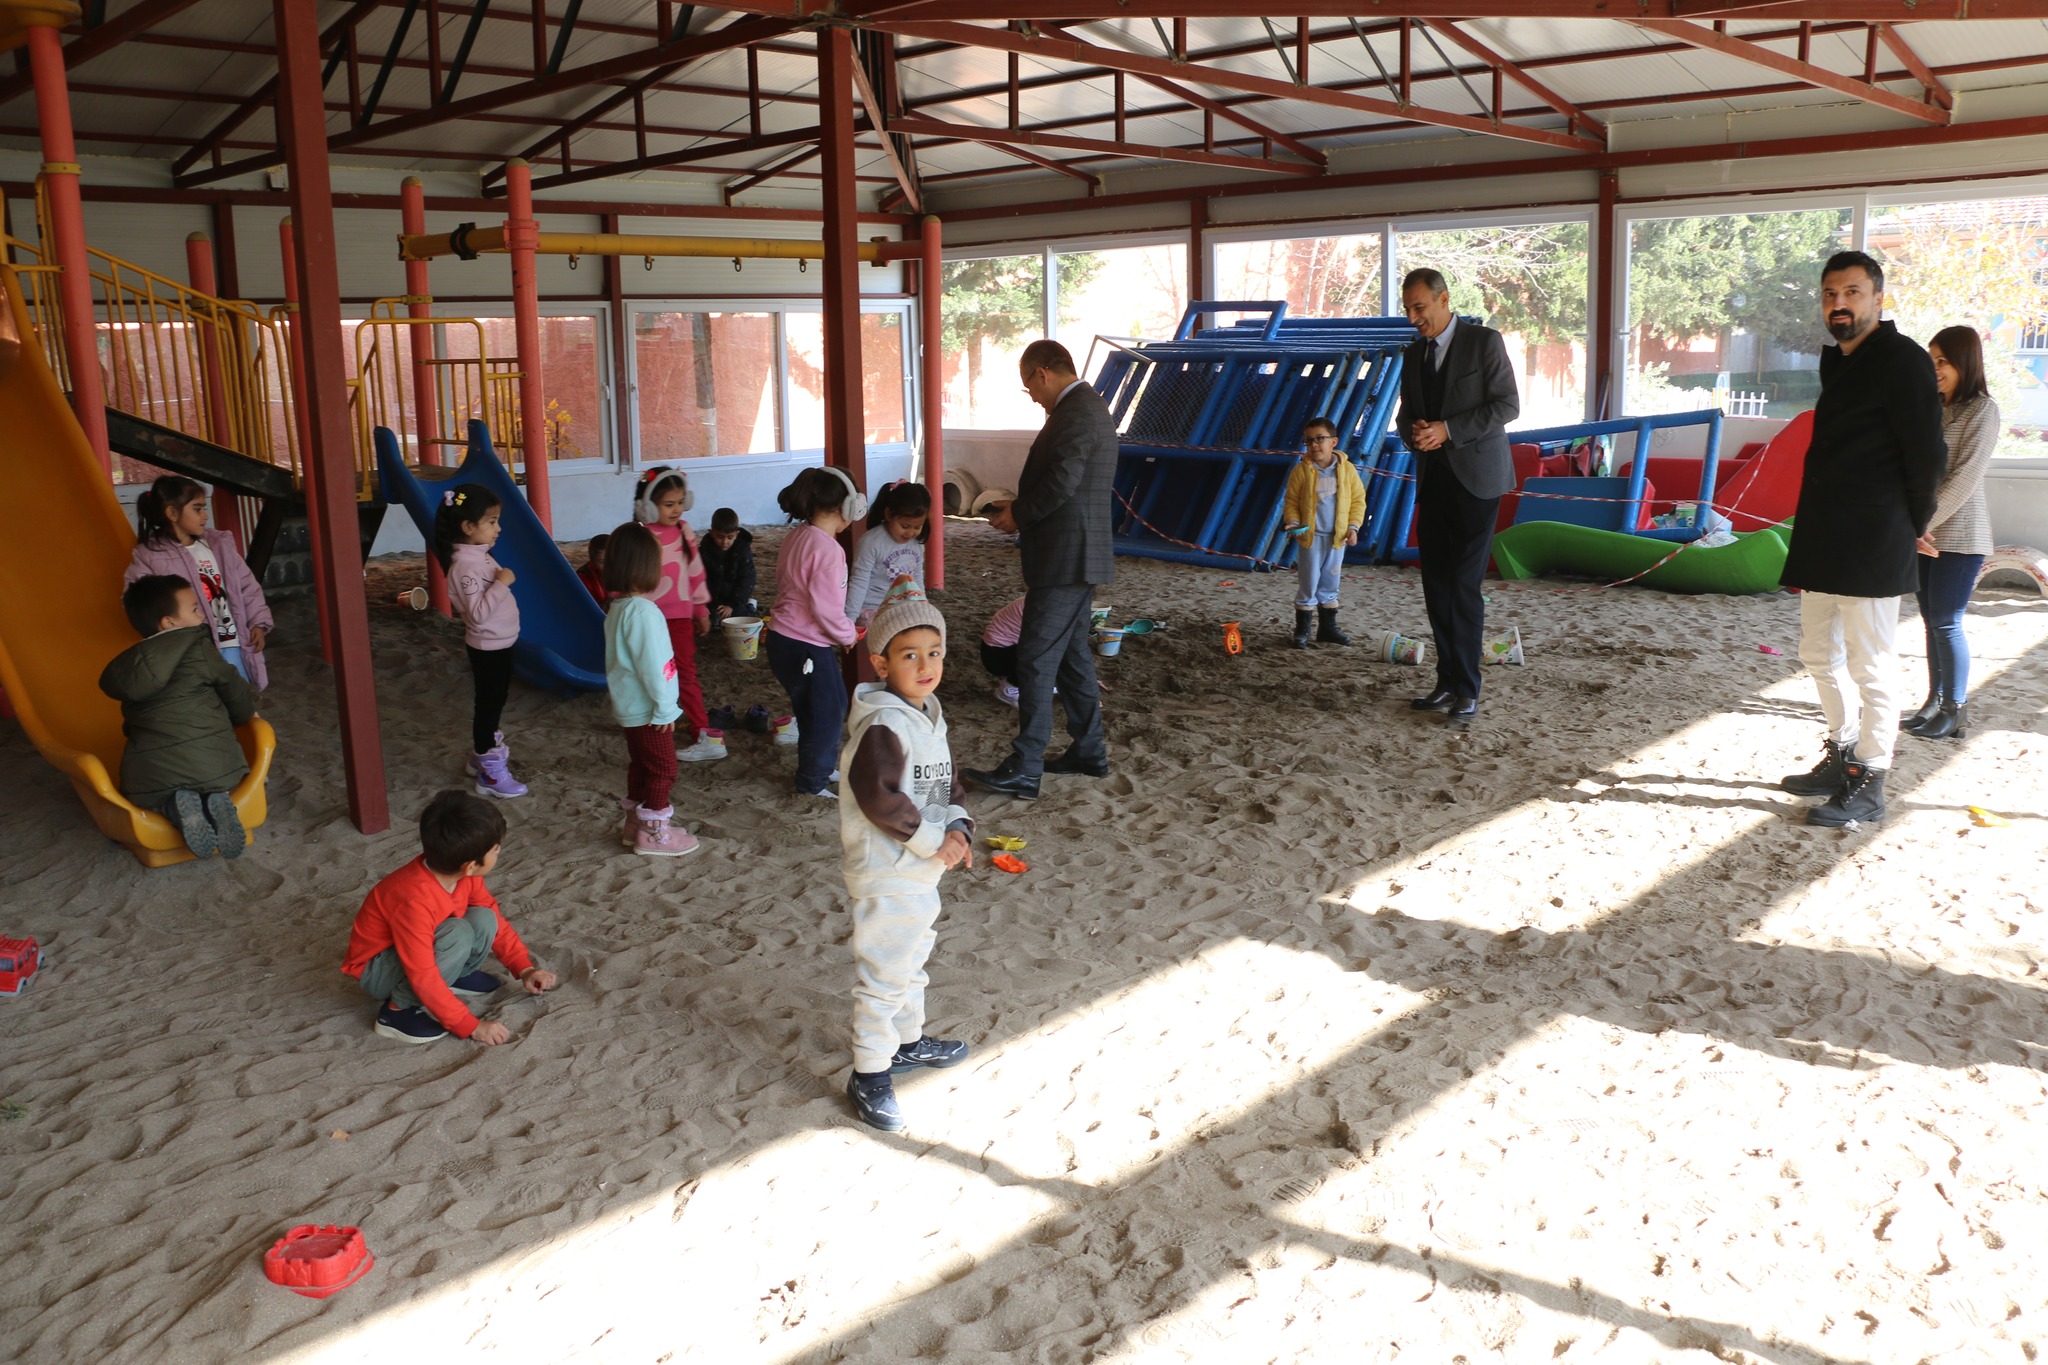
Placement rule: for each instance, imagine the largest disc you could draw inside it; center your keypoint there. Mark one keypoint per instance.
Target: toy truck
(19, 961)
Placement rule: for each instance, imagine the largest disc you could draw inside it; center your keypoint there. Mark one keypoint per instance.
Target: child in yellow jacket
(1325, 507)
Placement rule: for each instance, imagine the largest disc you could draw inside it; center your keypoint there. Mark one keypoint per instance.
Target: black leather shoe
(1439, 700)
(1463, 709)
(1068, 762)
(1003, 781)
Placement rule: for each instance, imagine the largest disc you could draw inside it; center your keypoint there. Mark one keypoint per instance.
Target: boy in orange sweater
(422, 934)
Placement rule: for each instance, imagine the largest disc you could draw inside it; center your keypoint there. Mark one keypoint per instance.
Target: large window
(1135, 291)
(709, 383)
(1319, 277)
(1979, 263)
(1725, 309)
(1528, 281)
(705, 384)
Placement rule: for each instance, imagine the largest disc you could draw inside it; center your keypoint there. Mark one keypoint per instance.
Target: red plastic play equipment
(318, 1259)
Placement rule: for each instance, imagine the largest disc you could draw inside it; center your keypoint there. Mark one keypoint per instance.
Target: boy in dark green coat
(180, 704)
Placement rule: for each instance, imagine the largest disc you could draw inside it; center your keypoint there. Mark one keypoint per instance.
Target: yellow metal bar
(425, 246)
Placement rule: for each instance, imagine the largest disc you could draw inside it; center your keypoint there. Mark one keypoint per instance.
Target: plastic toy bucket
(1395, 648)
(1109, 641)
(743, 637)
(416, 598)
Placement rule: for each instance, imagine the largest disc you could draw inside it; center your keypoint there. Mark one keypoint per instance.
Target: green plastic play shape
(1751, 564)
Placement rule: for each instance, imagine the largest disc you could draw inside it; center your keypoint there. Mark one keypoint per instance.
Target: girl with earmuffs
(809, 625)
(659, 500)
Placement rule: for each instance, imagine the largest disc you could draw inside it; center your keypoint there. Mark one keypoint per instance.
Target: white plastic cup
(416, 598)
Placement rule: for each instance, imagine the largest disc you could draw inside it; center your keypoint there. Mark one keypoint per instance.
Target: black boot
(1824, 778)
(1952, 721)
(1327, 633)
(1304, 627)
(1911, 724)
(1860, 801)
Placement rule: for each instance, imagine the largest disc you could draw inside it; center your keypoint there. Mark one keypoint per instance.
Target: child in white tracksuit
(900, 827)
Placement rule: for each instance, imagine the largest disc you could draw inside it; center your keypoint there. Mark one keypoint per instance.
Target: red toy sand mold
(318, 1260)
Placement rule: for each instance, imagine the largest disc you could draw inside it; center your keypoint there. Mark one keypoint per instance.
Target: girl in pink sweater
(659, 501)
(465, 529)
(808, 625)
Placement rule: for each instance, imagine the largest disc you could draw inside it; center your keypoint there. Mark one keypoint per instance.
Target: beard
(1849, 328)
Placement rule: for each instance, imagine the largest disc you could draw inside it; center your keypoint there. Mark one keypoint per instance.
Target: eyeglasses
(1319, 440)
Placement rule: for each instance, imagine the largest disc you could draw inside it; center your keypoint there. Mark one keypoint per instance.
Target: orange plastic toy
(318, 1259)
(1233, 638)
(1009, 862)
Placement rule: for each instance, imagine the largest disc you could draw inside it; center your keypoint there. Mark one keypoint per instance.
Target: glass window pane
(881, 370)
(571, 380)
(1319, 277)
(1527, 281)
(1134, 291)
(805, 333)
(704, 384)
(1982, 264)
(1725, 310)
(993, 309)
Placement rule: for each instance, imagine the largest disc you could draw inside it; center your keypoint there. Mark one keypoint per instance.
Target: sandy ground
(1314, 1033)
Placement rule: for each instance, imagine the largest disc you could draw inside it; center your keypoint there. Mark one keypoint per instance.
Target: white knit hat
(904, 608)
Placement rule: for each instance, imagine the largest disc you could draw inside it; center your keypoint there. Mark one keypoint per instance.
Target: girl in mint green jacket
(640, 668)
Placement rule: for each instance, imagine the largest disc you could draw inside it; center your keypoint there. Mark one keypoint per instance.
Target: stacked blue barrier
(1210, 426)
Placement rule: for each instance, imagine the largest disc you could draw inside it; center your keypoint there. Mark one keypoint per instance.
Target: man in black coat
(1876, 459)
(1062, 517)
(1457, 397)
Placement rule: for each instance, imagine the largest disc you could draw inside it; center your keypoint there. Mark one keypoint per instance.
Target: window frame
(780, 309)
(600, 309)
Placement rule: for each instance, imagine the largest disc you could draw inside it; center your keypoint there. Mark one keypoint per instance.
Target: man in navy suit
(1457, 398)
(1062, 517)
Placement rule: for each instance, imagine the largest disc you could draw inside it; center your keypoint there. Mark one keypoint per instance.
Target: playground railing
(465, 388)
(214, 369)
(39, 281)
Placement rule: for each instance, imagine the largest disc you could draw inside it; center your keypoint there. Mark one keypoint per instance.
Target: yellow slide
(60, 599)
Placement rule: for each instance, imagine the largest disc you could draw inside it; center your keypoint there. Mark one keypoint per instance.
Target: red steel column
(426, 392)
(302, 430)
(330, 462)
(522, 235)
(931, 380)
(845, 424)
(66, 249)
(227, 510)
(1602, 380)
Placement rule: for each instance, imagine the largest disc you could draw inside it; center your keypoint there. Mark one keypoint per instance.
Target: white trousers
(1850, 646)
(1318, 571)
(892, 940)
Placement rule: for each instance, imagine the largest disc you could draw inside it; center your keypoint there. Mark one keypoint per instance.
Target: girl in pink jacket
(660, 499)
(480, 590)
(172, 537)
(809, 624)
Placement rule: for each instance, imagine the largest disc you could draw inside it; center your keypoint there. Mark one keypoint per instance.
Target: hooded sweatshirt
(489, 611)
(900, 796)
(180, 704)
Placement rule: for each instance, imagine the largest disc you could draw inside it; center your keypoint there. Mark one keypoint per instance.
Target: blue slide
(561, 627)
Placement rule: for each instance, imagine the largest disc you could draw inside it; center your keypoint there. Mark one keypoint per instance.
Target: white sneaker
(709, 748)
(785, 730)
(1006, 694)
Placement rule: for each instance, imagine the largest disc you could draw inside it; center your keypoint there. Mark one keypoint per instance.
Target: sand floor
(1316, 1032)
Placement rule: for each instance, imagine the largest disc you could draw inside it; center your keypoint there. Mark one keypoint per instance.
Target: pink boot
(660, 839)
(493, 777)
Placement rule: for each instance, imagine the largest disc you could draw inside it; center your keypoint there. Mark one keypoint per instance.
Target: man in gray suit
(1457, 398)
(1062, 516)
